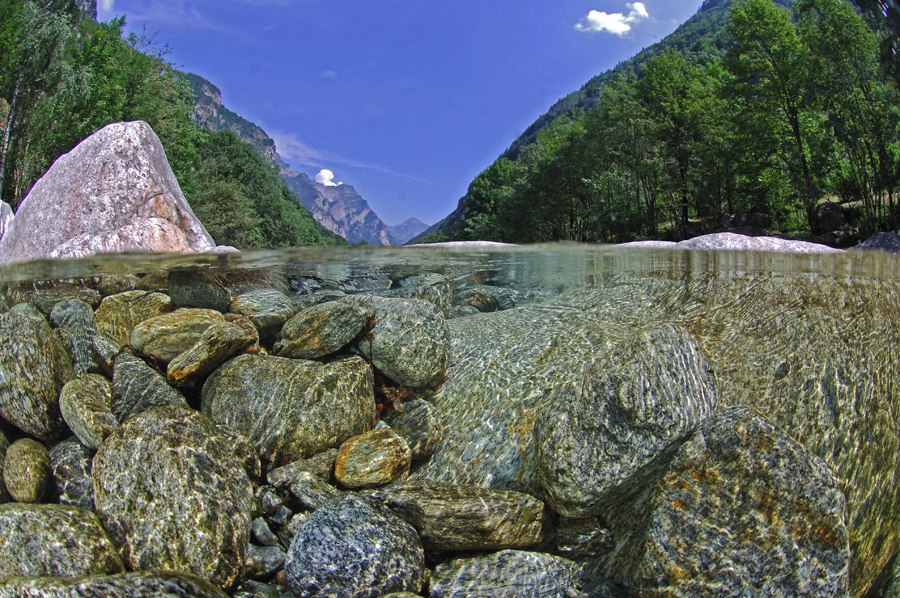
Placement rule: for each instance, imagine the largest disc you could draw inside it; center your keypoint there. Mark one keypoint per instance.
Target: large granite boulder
(54, 540)
(350, 549)
(884, 241)
(291, 409)
(120, 177)
(738, 242)
(186, 506)
(139, 584)
(506, 574)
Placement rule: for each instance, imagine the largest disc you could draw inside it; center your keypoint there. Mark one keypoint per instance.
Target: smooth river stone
(164, 337)
(119, 314)
(54, 540)
(744, 508)
(409, 342)
(465, 517)
(375, 458)
(77, 318)
(268, 309)
(291, 409)
(86, 406)
(418, 423)
(137, 387)
(350, 549)
(631, 411)
(139, 584)
(218, 343)
(505, 574)
(312, 492)
(173, 495)
(34, 366)
(322, 329)
(320, 465)
(26, 470)
(71, 463)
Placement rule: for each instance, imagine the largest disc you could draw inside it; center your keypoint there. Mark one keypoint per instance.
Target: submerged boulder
(506, 574)
(139, 584)
(121, 178)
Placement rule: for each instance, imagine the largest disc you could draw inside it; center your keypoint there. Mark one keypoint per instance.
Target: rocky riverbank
(375, 431)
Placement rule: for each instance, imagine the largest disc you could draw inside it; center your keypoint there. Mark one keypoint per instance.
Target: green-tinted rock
(291, 409)
(263, 561)
(218, 343)
(375, 458)
(506, 574)
(71, 464)
(54, 540)
(139, 584)
(419, 425)
(119, 314)
(86, 406)
(34, 367)
(409, 343)
(186, 506)
(137, 387)
(268, 309)
(320, 465)
(105, 350)
(200, 289)
(313, 492)
(243, 450)
(77, 318)
(322, 329)
(113, 284)
(450, 518)
(164, 337)
(26, 470)
(45, 294)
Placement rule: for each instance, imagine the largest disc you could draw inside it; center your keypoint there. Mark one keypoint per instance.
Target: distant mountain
(406, 230)
(339, 208)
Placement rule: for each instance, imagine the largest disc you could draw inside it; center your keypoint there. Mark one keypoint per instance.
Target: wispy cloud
(299, 152)
(616, 23)
(106, 6)
(174, 13)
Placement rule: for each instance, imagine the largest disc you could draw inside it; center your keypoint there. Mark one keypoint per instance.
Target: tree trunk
(7, 130)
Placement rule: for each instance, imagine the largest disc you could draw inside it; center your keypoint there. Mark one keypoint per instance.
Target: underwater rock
(186, 507)
(291, 409)
(105, 350)
(350, 549)
(118, 314)
(34, 367)
(505, 574)
(409, 343)
(243, 451)
(419, 425)
(137, 387)
(465, 517)
(372, 459)
(631, 410)
(77, 318)
(219, 342)
(86, 406)
(44, 295)
(261, 533)
(312, 492)
(583, 537)
(322, 329)
(164, 337)
(54, 540)
(138, 584)
(268, 309)
(71, 464)
(263, 561)
(26, 470)
(320, 465)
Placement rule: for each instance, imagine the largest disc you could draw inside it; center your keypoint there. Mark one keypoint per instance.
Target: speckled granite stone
(54, 540)
(372, 459)
(71, 464)
(350, 549)
(139, 584)
(186, 507)
(321, 465)
(77, 318)
(164, 337)
(291, 409)
(34, 367)
(322, 329)
(505, 574)
(631, 410)
(137, 387)
(26, 470)
(86, 406)
(119, 314)
(419, 424)
(465, 517)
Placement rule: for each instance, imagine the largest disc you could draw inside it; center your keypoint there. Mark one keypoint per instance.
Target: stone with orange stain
(218, 343)
(322, 329)
(372, 459)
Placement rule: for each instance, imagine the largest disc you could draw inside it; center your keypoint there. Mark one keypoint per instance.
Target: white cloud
(616, 23)
(107, 5)
(326, 178)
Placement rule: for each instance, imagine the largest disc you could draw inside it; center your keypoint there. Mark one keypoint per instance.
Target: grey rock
(188, 479)
(199, 289)
(26, 470)
(135, 202)
(261, 533)
(480, 298)
(118, 314)
(632, 409)
(6, 217)
(291, 409)
(268, 500)
(281, 516)
(113, 284)
(137, 387)
(268, 309)
(243, 450)
(263, 561)
(218, 343)
(742, 508)
(86, 406)
(139, 584)
(105, 350)
(884, 241)
(349, 548)
(505, 574)
(419, 425)
(25, 309)
(4, 445)
(409, 343)
(77, 318)
(164, 337)
(71, 464)
(54, 540)
(322, 329)
(352, 279)
(320, 465)
(255, 589)
(372, 459)
(461, 311)
(450, 518)
(34, 367)
(312, 492)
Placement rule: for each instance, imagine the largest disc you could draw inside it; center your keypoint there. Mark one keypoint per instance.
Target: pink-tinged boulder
(114, 192)
(738, 242)
(6, 218)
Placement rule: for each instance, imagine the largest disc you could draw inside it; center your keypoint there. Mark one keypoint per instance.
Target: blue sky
(405, 100)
